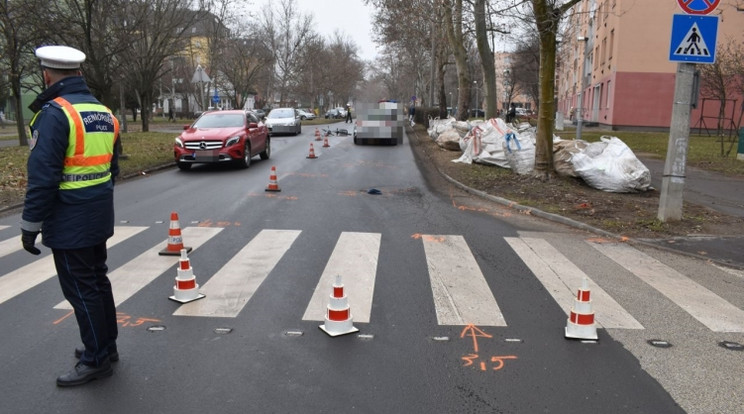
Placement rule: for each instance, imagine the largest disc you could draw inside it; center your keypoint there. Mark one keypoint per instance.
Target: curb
(576, 224)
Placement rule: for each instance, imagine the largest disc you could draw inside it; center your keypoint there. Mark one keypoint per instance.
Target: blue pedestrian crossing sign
(693, 39)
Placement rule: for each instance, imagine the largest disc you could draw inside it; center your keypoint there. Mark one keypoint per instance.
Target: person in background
(70, 201)
(348, 114)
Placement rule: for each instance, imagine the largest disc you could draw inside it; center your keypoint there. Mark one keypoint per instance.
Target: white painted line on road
(228, 291)
(355, 259)
(10, 245)
(461, 293)
(562, 280)
(143, 269)
(705, 306)
(26, 277)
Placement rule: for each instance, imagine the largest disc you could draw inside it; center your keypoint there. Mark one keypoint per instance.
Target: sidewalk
(716, 191)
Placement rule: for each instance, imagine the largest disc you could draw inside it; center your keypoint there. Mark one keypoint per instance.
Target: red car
(222, 136)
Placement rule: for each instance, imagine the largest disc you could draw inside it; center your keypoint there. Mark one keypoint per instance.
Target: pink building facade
(628, 79)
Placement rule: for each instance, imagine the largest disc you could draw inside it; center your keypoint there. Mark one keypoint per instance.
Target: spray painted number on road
(496, 362)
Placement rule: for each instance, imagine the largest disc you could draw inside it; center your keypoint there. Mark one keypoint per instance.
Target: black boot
(82, 374)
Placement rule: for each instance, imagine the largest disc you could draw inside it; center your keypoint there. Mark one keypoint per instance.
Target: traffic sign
(698, 6)
(693, 38)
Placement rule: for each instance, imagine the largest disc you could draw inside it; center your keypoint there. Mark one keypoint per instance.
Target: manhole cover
(223, 331)
(156, 328)
(293, 333)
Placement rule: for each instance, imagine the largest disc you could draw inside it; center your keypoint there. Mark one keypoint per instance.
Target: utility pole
(673, 182)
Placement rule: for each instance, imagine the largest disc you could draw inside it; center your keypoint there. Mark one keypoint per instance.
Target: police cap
(60, 57)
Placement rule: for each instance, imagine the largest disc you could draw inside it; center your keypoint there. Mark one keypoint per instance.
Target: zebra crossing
(460, 292)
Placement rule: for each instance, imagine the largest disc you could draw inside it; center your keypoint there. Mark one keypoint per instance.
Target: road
(461, 305)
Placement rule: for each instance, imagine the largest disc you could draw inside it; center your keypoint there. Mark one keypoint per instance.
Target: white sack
(449, 139)
(610, 165)
(520, 151)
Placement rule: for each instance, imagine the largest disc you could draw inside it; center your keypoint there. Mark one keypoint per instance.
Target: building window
(612, 42)
(607, 95)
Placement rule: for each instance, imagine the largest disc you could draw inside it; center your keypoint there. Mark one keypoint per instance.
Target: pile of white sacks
(607, 165)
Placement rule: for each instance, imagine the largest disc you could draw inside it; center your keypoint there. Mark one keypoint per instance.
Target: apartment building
(617, 53)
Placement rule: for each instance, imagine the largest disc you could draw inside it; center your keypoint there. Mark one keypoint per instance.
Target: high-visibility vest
(93, 132)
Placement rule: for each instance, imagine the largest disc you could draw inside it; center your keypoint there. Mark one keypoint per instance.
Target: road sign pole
(673, 182)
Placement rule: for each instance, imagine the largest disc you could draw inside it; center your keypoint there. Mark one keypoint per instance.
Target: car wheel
(265, 154)
(184, 166)
(246, 161)
(299, 129)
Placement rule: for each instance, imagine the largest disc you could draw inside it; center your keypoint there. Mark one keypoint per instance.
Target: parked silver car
(284, 121)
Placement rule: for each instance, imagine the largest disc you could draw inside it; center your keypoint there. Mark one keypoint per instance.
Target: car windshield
(220, 121)
(281, 113)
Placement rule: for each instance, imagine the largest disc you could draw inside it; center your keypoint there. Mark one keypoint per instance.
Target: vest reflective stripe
(89, 153)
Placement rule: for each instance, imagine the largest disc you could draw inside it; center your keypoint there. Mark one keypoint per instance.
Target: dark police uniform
(70, 200)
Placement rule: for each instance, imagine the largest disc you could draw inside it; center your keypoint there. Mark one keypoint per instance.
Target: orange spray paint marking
(58, 321)
(475, 333)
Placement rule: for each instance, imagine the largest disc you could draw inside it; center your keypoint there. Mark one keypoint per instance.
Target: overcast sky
(351, 17)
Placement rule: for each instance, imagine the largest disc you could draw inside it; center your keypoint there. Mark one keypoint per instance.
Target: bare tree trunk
(547, 19)
(487, 60)
(453, 26)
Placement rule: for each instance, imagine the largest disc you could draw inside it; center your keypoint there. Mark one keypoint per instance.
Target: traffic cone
(325, 143)
(186, 289)
(580, 323)
(273, 185)
(175, 241)
(338, 317)
(312, 152)
(317, 134)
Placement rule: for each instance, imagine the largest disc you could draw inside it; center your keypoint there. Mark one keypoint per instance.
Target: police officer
(70, 201)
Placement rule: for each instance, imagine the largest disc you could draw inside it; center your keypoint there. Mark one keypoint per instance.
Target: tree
(18, 43)
(161, 25)
(548, 15)
(453, 23)
(724, 79)
(486, 56)
(286, 31)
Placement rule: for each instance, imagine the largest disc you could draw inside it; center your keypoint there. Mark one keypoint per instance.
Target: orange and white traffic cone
(186, 289)
(338, 315)
(273, 185)
(317, 134)
(580, 323)
(312, 152)
(175, 241)
(325, 143)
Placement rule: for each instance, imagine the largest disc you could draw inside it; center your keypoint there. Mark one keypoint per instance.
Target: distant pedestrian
(171, 115)
(70, 201)
(348, 114)
(512, 114)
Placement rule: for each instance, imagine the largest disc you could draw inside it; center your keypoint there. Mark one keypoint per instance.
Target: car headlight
(232, 140)
(179, 143)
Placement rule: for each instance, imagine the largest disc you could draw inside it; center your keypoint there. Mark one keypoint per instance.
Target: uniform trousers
(82, 276)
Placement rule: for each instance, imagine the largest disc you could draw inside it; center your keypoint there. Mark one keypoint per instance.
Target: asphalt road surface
(461, 306)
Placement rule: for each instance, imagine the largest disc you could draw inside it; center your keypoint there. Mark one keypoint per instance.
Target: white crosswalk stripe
(562, 279)
(11, 245)
(705, 306)
(26, 277)
(139, 272)
(355, 259)
(228, 291)
(460, 292)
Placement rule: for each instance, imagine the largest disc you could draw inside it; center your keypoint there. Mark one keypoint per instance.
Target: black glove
(28, 238)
